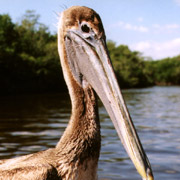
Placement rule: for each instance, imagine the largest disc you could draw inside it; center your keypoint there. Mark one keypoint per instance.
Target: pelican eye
(85, 28)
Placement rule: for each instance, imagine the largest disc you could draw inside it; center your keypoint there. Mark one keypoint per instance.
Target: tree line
(29, 60)
(134, 70)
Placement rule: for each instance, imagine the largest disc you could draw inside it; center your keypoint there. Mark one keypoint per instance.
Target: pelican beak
(91, 59)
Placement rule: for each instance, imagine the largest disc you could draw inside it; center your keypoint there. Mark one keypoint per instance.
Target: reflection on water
(33, 123)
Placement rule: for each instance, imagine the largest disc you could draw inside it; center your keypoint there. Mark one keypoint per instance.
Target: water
(33, 123)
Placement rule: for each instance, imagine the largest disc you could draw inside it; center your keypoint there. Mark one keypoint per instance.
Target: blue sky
(149, 26)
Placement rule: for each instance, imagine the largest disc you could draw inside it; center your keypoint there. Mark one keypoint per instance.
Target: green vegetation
(133, 70)
(29, 60)
(130, 67)
(166, 71)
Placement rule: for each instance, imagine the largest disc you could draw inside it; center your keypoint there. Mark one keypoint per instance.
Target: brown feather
(76, 154)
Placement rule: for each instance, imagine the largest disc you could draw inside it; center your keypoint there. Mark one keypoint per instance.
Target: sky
(151, 27)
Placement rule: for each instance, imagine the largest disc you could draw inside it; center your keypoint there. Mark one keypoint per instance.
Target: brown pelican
(87, 69)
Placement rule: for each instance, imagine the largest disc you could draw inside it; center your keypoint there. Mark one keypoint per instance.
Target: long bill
(91, 59)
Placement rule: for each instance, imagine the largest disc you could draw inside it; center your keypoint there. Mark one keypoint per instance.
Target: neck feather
(81, 139)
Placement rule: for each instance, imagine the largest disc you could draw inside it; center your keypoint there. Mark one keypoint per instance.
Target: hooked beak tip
(149, 175)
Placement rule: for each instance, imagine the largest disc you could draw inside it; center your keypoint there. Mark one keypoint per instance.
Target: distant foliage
(29, 60)
(133, 70)
(129, 66)
(167, 71)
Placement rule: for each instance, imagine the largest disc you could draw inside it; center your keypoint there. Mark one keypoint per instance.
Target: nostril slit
(89, 38)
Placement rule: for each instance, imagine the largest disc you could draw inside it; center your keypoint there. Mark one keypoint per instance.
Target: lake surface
(31, 123)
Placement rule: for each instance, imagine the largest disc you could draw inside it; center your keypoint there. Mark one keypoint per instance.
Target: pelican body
(87, 71)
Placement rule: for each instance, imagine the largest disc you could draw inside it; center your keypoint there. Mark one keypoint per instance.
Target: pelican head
(86, 62)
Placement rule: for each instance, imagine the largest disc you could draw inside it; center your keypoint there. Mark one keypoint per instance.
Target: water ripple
(32, 123)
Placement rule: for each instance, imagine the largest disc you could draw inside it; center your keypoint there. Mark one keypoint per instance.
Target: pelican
(87, 71)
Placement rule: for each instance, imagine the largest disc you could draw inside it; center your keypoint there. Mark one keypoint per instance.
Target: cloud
(140, 19)
(158, 50)
(128, 26)
(177, 2)
(166, 28)
(172, 26)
